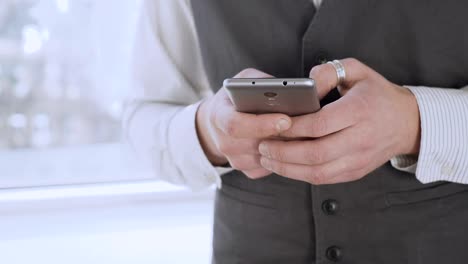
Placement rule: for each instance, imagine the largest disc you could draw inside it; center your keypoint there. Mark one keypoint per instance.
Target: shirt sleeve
(406, 163)
(168, 84)
(443, 154)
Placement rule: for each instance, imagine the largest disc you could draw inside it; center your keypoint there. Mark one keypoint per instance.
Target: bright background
(70, 190)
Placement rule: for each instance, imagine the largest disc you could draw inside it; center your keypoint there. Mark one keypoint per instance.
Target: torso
(388, 216)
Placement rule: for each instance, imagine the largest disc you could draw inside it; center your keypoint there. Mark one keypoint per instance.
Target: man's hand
(372, 122)
(229, 136)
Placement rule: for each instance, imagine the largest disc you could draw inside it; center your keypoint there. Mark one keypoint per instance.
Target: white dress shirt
(169, 83)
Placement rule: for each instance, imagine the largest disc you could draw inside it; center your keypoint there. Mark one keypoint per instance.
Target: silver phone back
(289, 96)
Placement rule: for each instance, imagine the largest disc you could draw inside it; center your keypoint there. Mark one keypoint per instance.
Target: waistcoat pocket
(248, 197)
(434, 191)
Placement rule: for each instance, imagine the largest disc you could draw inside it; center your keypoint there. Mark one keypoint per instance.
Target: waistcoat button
(330, 206)
(334, 253)
(321, 57)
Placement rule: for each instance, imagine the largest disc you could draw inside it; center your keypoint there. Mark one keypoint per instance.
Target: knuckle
(352, 62)
(357, 65)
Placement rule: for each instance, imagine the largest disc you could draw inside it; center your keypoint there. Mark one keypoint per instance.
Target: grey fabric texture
(388, 216)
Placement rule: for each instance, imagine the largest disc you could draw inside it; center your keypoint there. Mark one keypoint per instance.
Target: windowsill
(84, 164)
(65, 216)
(92, 195)
(106, 223)
(81, 175)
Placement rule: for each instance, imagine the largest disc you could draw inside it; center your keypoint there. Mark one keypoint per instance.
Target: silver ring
(340, 71)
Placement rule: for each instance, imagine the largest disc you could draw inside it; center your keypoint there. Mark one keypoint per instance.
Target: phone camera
(285, 83)
(253, 83)
(270, 94)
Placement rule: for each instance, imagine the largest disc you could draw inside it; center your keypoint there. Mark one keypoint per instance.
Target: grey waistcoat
(388, 216)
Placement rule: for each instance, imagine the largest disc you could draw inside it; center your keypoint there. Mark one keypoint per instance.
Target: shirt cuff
(186, 151)
(406, 163)
(443, 154)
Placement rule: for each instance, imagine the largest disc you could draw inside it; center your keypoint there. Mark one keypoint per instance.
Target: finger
(257, 173)
(346, 177)
(311, 152)
(364, 165)
(234, 147)
(326, 79)
(245, 162)
(244, 125)
(319, 174)
(252, 73)
(333, 117)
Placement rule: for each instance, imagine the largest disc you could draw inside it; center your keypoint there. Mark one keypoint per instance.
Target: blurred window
(64, 73)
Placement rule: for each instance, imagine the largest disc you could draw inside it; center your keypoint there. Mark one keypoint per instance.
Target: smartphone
(293, 97)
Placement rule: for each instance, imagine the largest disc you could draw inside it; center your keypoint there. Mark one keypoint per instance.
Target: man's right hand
(230, 136)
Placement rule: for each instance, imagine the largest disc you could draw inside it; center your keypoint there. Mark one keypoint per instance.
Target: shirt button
(330, 206)
(334, 253)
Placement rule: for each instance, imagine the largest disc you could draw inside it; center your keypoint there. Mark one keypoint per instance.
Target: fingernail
(263, 148)
(283, 125)
(265, 163)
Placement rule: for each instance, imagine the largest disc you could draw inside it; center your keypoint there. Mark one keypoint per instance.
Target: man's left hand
(372, 122)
